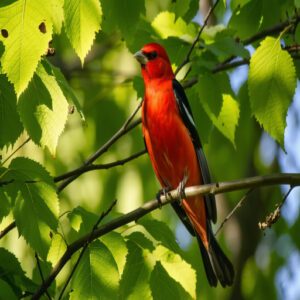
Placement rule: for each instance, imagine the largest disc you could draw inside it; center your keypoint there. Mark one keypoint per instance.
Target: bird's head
(155, 62)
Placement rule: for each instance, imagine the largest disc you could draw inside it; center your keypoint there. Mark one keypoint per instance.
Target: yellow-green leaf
(165, 24)
(272, 83)
(28, 30)
(82, 21)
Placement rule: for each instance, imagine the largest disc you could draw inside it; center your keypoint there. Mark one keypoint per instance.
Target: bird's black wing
(188, 119)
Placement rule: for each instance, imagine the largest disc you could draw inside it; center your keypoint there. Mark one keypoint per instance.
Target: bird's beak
(141, 58)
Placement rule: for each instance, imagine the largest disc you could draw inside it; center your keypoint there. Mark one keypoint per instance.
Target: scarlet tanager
(177, 157)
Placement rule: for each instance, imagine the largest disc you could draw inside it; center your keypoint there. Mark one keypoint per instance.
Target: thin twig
(14, 152)
(41, 274)
(233, 211)
(122, 131)
(213, 188)
(188, 56)
(89, 240)
(92, 167)
(273, 217)
(7, 229)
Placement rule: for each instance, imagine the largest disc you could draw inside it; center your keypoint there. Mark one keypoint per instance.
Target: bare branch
(213, 188)
(41, 273)
(122, 131)
(14, 152)
(7, 229)
(233, 211)
(92, 167)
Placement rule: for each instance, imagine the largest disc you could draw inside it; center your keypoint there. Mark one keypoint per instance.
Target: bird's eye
(151, 55)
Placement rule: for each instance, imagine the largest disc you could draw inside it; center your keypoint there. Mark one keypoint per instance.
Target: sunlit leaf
(271, 83)
(166, 24)
(82, 21)
(57, 249)
(44, 109)
(178, 269)
(170, 289)
(37, 202)
(28, 28)
(96, 276)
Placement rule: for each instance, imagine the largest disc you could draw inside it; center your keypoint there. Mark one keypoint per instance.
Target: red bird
(177, 157)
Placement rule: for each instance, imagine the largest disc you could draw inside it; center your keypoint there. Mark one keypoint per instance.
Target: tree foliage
(68, 87)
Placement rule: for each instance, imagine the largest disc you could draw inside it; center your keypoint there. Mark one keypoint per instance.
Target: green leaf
(134, 283)
(211, 88)
(29, 30)
(44, 109)
(124, 15)
(36, 201)
(117, 246)
(272, 83)
(82, 220)
(66, 88)
(227, 120)
(57, 249)
(165, 24)
(12, 273)
(10, 124)
(57, 14)
(161, 232)
(82, 21)
(177, 269)
(170, 289)
(6, 291)
(180, 7)
(246, 19)
(96, 276)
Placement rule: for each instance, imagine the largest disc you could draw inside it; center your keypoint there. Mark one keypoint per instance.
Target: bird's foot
(180, 189)
(162, 192)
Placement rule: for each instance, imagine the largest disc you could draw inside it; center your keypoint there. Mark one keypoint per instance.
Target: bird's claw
(162, 192)
(180, 189)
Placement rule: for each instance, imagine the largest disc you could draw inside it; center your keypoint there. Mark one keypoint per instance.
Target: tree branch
(122, 131)
(7, 229)
(92, 167)
(187, 58)
(213, 188)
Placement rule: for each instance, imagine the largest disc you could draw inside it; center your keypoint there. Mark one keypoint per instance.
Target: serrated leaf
(134, 283)
(29, 29)
(271, 83)
(82, 220)
(44, 109)
(57, 249)
(178, 269)
(170, 289)
(66, 89)
(96, 276)
(12, 273)
(57, 14)
(166, 24)
(117, 246)
(82, 21)
(36, 207)
(161, 232)
(227, 120)
(10, 124)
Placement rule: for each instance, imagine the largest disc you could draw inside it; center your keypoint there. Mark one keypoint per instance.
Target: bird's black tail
(216, 264)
